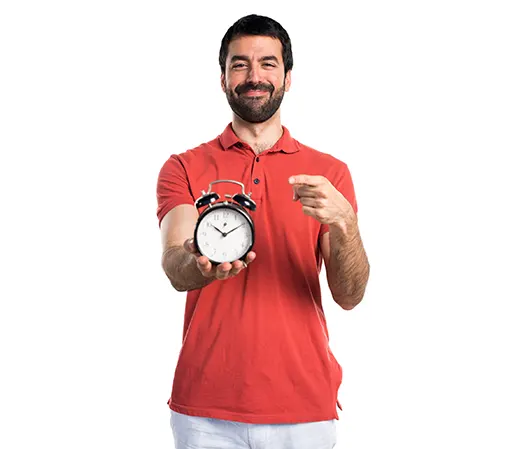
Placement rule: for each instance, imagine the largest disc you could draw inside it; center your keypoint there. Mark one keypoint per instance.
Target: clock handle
(228, 180)
(241, 198)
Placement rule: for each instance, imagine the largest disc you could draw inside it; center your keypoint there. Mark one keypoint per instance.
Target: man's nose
(254, 75)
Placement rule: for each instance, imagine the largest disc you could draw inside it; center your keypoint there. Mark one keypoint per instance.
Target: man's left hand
(320, 200)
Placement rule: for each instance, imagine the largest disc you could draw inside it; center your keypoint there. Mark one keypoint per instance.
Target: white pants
(192, 432)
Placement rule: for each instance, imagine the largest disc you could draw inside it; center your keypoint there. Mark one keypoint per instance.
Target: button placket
(257, 177)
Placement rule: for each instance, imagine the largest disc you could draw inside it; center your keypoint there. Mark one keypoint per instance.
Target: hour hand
(220, 231)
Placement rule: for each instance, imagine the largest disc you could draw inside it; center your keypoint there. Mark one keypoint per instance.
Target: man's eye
(237, 66)
(269, 65)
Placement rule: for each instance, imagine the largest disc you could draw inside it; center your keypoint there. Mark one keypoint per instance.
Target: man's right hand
(222, 271)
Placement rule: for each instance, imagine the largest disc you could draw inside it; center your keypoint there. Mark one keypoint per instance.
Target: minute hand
(232, 230)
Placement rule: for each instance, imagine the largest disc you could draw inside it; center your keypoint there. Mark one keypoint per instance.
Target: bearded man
(255, 368)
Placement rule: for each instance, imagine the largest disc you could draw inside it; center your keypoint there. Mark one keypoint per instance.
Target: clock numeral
(225, 214)
(216, 217)
(204, 233)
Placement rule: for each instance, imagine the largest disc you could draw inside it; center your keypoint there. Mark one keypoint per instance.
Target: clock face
(224, 234)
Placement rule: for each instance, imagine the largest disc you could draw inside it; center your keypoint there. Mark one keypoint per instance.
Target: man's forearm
(349, 267)
(181, 268)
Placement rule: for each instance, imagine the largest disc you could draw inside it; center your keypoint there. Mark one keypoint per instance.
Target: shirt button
(257, 159)
(256, 180)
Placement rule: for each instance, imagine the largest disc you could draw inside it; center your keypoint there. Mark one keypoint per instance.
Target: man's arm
(346, 262)
(342, 249)
(184, 266)
(178, 263)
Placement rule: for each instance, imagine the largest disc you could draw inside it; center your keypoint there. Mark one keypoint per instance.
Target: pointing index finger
(305, 179)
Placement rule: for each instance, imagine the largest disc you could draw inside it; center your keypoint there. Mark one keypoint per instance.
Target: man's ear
(222, 79)
(288, 80)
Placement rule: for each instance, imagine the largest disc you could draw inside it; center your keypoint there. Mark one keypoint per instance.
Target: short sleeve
(342, 181)
(173, 187)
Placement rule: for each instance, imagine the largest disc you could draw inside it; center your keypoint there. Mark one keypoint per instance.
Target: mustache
(242, 88)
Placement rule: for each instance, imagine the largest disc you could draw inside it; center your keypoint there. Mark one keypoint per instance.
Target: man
(255, 368)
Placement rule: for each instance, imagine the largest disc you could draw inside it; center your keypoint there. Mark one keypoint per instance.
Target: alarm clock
(224, 231)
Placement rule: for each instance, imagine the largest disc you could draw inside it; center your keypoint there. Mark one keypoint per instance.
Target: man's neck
(260, 136)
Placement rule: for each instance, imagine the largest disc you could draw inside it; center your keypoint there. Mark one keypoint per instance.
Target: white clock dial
(224, 235)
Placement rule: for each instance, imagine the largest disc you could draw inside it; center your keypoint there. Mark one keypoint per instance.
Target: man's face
(254, 79)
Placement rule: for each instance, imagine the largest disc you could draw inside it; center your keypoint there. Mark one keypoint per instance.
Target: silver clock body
(224, 233)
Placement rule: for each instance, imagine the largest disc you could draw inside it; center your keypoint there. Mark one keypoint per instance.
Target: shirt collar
(228, 140)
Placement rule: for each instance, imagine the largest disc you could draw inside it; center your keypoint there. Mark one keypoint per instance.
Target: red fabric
(256, 346)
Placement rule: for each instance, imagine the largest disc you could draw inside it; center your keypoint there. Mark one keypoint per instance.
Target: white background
(95, 96)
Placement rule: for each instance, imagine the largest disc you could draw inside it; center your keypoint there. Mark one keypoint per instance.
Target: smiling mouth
(255, 93)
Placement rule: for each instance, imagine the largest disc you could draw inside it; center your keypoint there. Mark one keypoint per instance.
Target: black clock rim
(216, 207)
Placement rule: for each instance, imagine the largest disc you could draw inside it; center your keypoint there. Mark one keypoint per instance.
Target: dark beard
(251, 110)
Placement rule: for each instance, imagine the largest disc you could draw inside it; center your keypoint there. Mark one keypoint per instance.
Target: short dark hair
(255, 25)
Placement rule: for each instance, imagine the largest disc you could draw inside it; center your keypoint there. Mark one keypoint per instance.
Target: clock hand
(235, 228)
(219, 230)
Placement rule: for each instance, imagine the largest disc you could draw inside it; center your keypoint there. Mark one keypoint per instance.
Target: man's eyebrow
(235, 58)
(269, 58)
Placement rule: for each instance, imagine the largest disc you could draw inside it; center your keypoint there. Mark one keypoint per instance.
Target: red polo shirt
(256, 347)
